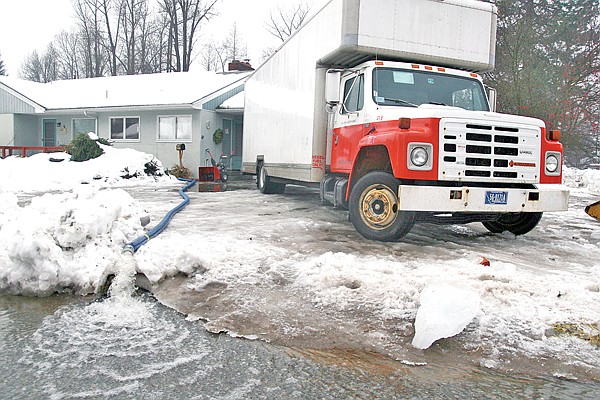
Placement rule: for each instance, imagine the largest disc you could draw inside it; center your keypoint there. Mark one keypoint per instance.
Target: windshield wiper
(438, 104)
(400, 101)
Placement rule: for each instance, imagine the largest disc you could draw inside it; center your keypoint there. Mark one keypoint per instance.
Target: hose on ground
(133, 246)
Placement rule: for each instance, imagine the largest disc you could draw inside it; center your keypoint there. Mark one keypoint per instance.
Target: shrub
(180, 172)
(152, 168)
(83, 148)
(104, 141)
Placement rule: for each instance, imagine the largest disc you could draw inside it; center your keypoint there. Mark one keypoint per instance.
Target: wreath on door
(218, 136)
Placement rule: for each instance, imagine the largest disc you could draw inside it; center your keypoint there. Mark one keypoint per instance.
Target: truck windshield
(410, 88)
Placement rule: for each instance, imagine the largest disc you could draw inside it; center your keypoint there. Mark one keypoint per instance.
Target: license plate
(496, 197)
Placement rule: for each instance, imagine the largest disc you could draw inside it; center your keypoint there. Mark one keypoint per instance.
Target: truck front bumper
(477, 199)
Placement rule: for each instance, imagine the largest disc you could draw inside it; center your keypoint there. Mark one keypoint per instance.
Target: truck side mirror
(492, 98)
(332, 86)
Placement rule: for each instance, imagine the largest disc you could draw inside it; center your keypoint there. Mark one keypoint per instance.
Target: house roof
(152, 90)
(234, 102)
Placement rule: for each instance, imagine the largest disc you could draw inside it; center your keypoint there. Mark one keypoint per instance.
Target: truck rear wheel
(264, 184)
(518, 224)
(375, 208)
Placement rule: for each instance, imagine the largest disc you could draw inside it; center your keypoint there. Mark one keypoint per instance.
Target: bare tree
(211, 57)
(283, 22)
(155, 48)
(89, 19)
(184, 18)
(112, 28)
(548, 66)
(215, 56)
(234, 45)
(67, 47)
(40, 68)
(133, 15)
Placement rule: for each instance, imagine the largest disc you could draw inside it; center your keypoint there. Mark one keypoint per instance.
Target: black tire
(264, 184)
(374, 208)
(224, 176)
(516, 223)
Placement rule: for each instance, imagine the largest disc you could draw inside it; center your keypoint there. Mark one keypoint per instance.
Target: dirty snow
(285, 269)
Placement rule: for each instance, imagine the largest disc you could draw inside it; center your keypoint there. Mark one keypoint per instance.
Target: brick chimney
(237, 65)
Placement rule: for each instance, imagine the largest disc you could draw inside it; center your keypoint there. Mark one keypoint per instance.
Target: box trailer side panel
(285, 120)
(452, 33)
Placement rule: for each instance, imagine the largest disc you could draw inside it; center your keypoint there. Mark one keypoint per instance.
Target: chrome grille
(489, 152)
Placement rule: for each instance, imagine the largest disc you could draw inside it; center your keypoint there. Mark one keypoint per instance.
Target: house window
(171, 128)
(125, 128)
(83, 125)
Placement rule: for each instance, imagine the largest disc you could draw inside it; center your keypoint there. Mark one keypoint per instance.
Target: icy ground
(284, 269)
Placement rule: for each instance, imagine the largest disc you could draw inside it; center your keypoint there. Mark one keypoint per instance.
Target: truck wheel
(264, 184)
(518, 224)
(374, 208)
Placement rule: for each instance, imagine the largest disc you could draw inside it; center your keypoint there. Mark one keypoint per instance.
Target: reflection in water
(133, 347)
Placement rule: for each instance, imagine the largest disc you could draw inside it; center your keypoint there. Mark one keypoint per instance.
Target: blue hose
(139, 242)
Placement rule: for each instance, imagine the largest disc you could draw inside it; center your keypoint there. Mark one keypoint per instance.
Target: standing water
(131, 347)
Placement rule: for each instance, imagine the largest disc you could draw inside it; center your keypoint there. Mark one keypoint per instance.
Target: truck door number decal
(496, 197)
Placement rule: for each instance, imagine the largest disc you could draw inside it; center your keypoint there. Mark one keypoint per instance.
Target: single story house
(152, 113)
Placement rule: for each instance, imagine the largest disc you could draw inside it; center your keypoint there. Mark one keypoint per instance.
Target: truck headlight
(419, 156)
(553, 163)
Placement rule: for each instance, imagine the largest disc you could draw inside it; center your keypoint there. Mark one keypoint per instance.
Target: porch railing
(24, 151)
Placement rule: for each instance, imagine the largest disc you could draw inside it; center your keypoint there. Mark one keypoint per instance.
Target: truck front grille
(489, 152)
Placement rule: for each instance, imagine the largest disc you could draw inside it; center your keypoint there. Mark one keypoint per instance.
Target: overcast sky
(27, 25)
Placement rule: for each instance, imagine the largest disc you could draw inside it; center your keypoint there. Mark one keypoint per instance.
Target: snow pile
(67, 239)
(582, 178)
(54, 172)
(64, 241)
(444, 312)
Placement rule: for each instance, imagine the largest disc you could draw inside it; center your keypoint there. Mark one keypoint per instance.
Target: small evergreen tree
(2, 67)
(84, 148)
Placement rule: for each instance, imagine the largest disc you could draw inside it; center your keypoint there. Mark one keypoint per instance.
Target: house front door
(236, 158)
(49, 133)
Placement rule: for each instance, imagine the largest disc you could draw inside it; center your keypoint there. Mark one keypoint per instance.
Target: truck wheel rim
(378, 207)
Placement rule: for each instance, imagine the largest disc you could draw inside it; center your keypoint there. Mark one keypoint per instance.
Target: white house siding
(204, 124)
(29, 128)
(7, 130)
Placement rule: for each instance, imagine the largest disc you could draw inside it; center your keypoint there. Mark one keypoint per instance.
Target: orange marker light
(378, 62)
(404, 123)
(428, 68)
(553, 135)
(415, 66)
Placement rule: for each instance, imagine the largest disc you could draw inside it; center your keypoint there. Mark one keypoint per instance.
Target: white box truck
(381, 104)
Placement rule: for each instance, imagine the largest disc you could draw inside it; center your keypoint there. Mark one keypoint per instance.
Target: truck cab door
(349, 123)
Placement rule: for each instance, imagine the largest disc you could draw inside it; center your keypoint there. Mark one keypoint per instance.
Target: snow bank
(54, 172)
(582, 178)
(64, 241)
(67, 239)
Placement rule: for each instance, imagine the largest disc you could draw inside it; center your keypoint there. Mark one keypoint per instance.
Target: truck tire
(518, 224)
(264, 184)
(374, 208)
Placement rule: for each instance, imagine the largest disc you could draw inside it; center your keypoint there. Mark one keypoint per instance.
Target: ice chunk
(444, 312)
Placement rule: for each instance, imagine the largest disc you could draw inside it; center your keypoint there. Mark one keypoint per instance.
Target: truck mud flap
(593, 210)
